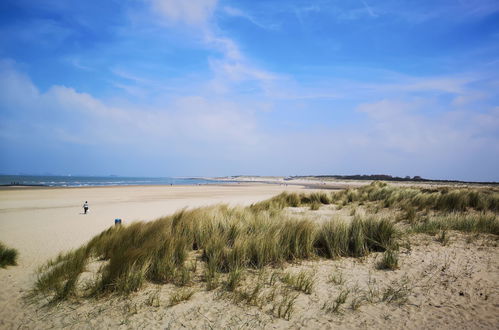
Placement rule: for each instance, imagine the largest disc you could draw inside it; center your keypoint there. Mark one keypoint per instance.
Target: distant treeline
(382, 177)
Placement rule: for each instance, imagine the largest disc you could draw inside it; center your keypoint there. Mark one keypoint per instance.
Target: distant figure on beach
(85, 207)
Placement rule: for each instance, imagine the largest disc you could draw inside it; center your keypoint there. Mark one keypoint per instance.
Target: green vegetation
(234, 278)
(397, 292)
(389, 260)
(439, 199)
(443, 237)
(227, 243)
(226, 239)
(466, 222)
(302, 281)
(283, 308)
(8, 257)
(180, 295)
(338, 239)
(315, 206)
(335, 305)
(336, 278)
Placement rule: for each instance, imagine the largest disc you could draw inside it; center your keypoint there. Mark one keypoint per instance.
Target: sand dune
(41, 223)
(452, 286)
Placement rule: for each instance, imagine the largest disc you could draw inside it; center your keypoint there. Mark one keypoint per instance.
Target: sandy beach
(451, 286)
(43, 222)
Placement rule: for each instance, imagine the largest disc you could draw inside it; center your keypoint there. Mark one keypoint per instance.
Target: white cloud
(396, 137)
(233, 67)
(190, 12)
(402, 125)
(74, 116)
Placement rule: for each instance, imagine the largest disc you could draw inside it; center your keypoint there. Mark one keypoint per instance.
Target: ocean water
(86, 181)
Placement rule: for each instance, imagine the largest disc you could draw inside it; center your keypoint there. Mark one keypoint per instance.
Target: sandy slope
(40, 223)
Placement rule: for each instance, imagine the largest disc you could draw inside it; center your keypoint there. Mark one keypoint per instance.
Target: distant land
(370, 177)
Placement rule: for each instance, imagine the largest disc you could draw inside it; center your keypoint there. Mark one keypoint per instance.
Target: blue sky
(207, 87)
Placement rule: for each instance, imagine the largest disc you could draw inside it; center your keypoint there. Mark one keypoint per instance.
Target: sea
(89, 181)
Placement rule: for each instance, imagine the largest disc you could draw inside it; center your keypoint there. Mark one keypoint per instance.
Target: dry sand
(445, 287)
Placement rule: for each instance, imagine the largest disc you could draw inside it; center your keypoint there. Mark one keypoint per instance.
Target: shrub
(8, 256)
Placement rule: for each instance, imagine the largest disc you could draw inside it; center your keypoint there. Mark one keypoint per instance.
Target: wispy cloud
(235, 12)
(369, 9)
(233, 67)
(195, 12)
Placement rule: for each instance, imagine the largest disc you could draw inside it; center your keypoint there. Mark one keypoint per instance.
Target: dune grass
(182, 294)
(389, 260)
(302, 281)
(409, 199)
(285, 199)
(8, 256)
(439, 199)
(471, 222)
(335, 238)
(226, 240)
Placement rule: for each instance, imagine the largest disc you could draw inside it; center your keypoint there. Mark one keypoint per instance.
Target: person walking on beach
(85, 207)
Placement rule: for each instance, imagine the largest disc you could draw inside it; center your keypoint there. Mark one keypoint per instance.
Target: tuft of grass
(336, 278)
(372, 292)
(8, 256)
(180, 295)
(335, 305)
(389, 260)
(397, 293)
(273, 278)
(60, 275)
(332, 239)
(284, 306)
(153, 299)
(212, 279)
(251, 296)
(234, 278)
(443, 237)
(410, 214)
(303, 281)
(337, 239)
(356, 303)
(314, 206)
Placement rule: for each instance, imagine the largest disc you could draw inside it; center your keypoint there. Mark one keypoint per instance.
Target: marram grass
(439, 199)
(465, 222)
(227, 240)
(8, 256)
